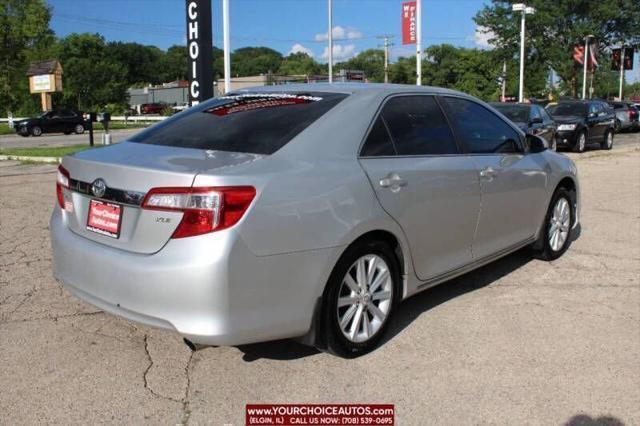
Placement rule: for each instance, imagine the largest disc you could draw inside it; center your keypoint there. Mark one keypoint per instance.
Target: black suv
(531, 118)
(57, 121)
(583, 122)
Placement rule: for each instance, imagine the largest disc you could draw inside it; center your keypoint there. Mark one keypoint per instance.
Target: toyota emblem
(98, 187)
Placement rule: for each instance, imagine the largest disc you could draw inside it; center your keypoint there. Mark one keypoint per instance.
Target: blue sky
(284, 25)
(279, 24)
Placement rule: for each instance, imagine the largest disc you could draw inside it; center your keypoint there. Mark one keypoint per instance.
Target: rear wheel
(36, 131)
(607, 143)
(360, 298)
(79, 129)
(581, 142)
(555, 236)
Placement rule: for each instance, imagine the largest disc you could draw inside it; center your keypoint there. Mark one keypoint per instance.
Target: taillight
(205, 209)
(62, 181)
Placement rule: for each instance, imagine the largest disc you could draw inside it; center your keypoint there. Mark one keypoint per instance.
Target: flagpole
(226, 46)
(419, 42)
(330, 34)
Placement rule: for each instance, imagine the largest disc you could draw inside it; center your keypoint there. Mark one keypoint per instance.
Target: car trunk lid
(128, 171)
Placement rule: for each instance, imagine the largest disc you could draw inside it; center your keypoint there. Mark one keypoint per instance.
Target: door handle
(488, 173)
(393, 181)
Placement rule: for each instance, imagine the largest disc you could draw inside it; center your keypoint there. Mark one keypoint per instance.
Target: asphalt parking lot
(519, 341)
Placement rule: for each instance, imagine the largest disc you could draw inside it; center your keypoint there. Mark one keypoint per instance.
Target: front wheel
(555, 236)
(581, 142)
(360, 298)
(607, 143)
(36, 131)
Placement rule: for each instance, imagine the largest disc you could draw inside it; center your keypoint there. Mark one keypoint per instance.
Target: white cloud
(340, 33)
(482, 36)
(340, 52)
(298, 48)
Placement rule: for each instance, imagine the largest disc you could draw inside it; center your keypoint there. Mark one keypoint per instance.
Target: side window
(593, 108)
(378, 142)
(481, 131)
(545, 115)
(418, 126)
(535, 112)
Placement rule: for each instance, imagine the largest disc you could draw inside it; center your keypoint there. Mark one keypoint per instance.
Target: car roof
(348, 88)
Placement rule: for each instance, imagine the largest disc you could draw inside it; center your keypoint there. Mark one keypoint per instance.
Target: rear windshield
(568, 109)
(257, 123)
(517, 113)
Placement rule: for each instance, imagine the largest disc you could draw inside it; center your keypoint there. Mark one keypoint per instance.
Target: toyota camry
(304, 211)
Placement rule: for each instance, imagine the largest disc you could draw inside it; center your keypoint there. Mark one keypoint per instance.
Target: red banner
(320, 414)
(409, 29)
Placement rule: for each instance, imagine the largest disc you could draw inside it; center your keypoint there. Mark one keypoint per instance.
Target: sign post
(199, 47)
(412, 32)
(45, 78)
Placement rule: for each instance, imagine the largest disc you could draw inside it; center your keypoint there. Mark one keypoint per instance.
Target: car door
(423, 182)
(596, 120)
(512, 183)
(67, 120)
(548, 124)
(53, 123)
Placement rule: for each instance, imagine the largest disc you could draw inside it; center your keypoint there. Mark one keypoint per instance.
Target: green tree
(141, 62)
(92, 78)
(248, 61)
(371, 61)
(172, 65)
(557, 26)
(299, 64)
(24, 36)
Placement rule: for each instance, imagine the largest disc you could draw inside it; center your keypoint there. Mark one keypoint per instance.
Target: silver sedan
(305, 211)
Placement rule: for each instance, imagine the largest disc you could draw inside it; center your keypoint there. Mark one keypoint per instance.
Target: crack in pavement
(54, 318)
(184, 401)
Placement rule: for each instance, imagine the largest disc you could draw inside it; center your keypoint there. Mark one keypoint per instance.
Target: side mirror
(536, 144)
(536, 120)
(592, 115)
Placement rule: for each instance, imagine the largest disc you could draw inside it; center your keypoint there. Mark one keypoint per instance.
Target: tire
(547, 247)
(78, 129)
(617, 126)
(363, 322)
(554, 143)
(36, 131)
(581, 142)
(607, 142)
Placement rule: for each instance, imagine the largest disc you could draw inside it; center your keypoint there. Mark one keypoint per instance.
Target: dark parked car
(531, 118)
(627, 116)
(57, 121)
(581, 123)
(152, 108)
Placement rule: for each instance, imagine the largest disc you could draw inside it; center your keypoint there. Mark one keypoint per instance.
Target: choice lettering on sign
(192, 12)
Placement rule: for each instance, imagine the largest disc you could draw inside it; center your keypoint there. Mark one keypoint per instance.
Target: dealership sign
(409, 22)
(199, 47)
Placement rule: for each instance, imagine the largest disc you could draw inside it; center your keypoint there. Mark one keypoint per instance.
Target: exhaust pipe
(193, 346)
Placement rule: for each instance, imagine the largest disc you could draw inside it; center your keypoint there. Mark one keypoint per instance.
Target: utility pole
(585, 66)
(330, 34)
(526, 10)
(419, 42)
(226, 46)
(386, 46)
(504, 81)
(621, 72)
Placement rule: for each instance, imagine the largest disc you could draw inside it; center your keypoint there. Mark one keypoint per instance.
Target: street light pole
(521, 7)
(419, 42)
(226, 46)
(585, 66)
(330, 34)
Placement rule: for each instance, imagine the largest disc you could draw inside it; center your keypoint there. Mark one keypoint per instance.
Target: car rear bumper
(210, 289)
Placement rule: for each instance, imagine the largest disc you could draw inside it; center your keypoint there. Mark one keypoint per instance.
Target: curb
(34, 159)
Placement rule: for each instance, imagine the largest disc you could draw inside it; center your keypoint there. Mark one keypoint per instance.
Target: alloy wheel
(559, 224)
(582, 142)
(609, 140)
(364, 298)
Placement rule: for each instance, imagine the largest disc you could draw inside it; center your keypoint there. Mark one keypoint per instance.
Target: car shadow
(412, 308)
(585, 420)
